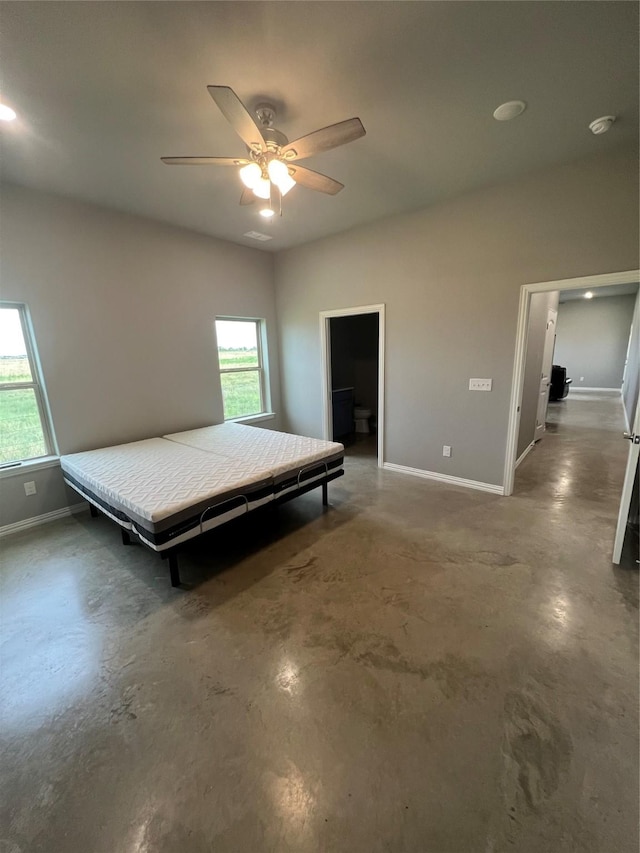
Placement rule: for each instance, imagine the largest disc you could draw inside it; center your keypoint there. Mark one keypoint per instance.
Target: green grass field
(240, 391)
(20, 431)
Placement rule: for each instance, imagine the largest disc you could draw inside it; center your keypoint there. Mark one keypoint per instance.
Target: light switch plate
(30, 488)
(480, 384)
(446, 450)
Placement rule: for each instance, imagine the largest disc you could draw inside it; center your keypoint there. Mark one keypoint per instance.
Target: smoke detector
(601, 125)
(509, 110)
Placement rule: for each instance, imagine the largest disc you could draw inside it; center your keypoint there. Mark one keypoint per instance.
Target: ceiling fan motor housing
(266, 114)
(274, 138)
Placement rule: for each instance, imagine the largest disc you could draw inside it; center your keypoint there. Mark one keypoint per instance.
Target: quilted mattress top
(280, 452)
(155, 479)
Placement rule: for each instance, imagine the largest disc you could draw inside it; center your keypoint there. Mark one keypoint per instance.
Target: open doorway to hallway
(353, 362)
(579, 380)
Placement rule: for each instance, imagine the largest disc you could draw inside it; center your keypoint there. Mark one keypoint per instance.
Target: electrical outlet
(446, 450)
(30, 488)
(480, 384)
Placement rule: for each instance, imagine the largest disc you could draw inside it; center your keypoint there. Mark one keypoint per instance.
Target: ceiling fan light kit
(266, 168)
(6, 113)
(250, 175)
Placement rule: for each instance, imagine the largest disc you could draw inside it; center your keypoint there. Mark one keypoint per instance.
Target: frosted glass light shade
(262, 188)
(279, 174)
(287, 183)
(277, 171)
(6, 113)
(250, 175)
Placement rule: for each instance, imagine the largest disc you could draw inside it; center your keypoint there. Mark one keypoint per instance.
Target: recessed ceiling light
(601, 125)
(267, 212)
(588, 295)
(6, 113)
(509, 110)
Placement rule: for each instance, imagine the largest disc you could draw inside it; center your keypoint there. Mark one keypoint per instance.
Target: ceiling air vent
(256, 235)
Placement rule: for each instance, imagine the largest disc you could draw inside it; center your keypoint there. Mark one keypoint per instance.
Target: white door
(545, 375)
(627, 488)
(632, 463)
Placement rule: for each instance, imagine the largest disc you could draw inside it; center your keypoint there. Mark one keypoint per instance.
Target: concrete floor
(419, 668)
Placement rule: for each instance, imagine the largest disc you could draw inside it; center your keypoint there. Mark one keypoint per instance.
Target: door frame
(325, 347)
(590, 281)
(543, 424)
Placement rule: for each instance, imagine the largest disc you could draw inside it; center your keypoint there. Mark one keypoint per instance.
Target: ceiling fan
(269, 170)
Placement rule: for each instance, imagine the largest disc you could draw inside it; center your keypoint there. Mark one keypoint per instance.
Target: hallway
(581, 457)
(418, 668)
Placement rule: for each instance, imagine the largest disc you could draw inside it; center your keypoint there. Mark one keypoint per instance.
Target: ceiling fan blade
(238, 117)
(324, 139)
(247, 196)
(314, 180)
(205, 161)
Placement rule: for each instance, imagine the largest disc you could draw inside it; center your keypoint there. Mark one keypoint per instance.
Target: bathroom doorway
(353, 379)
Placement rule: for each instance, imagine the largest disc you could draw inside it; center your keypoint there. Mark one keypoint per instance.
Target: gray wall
(450, 276)
(123, 310)
(541, 304)
(354, 357)
(631, 385)
(592, 340)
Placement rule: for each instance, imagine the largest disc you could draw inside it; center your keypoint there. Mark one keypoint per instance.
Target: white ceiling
(103, 90)
(599, 292)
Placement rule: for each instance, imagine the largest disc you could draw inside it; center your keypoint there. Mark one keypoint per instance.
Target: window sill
(253, 419)
(29, 466)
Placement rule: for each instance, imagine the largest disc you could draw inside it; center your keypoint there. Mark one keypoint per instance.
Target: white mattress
(282, 453)
(153, 485)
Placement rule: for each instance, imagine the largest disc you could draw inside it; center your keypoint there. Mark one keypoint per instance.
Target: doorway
(561, 419)
(352, 341)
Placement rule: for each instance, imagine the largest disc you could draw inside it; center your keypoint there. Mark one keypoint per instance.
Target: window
(242, 367)
(24, 425)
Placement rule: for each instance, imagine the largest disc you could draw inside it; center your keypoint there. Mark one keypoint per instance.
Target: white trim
(607, 279)
(37, 380)
(573, 387)
(262, 368)
(444, 478)
(591, 281)
(525, 453)
(252, 419)
(37, 520)
(325, 349)
(28, 466)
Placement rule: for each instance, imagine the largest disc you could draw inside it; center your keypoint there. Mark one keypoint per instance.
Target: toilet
(361, 418)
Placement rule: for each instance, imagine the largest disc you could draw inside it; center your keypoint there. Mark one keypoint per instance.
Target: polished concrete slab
(417, 668)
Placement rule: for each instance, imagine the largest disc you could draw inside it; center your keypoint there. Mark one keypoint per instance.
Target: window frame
(261, 369)
(36, 384)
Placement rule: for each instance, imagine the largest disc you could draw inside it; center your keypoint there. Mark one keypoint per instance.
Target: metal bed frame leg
(126, 539)
(325, 494)
(173, 569)
(93, 511)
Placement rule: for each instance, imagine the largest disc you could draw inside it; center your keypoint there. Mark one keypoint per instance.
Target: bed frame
(171, 553)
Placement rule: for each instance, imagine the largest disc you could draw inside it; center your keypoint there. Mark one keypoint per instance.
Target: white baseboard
(37, 520)
(573, 387)
(524, 453)
(444, 478)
